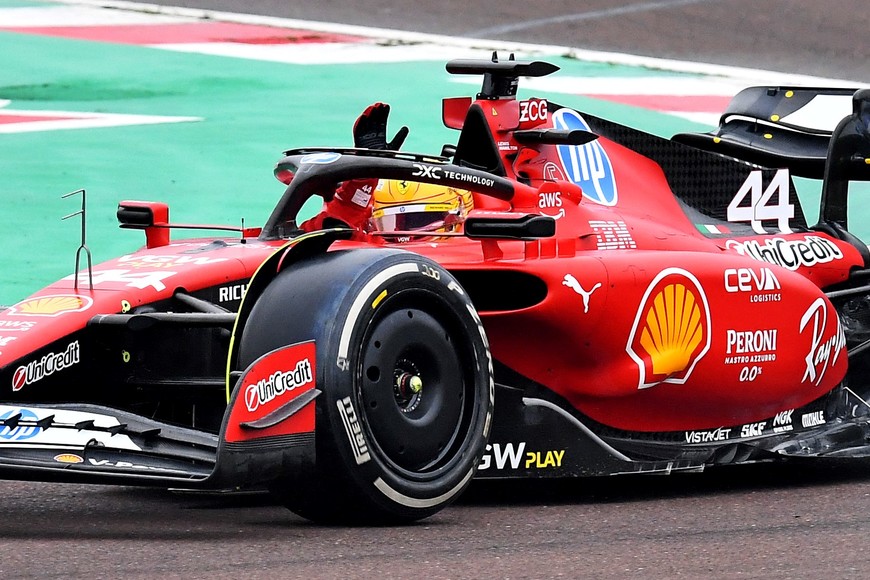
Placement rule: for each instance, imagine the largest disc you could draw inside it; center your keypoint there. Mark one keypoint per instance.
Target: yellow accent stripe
(378, 300)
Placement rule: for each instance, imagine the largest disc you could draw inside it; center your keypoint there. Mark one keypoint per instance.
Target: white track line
(747, 74)
(586, 16)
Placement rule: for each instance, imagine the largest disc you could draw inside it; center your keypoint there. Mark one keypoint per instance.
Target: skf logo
(671, 331)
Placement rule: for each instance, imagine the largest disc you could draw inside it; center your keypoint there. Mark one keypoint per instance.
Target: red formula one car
(614, 303)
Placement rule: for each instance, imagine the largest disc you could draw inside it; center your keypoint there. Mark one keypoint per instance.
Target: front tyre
(406, 379)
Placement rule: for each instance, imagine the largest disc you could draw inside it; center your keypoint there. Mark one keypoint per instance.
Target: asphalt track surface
(810, 37)
(774, 521)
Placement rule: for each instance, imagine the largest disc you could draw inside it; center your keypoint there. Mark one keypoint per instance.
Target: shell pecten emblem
(671, 330)
(51, 305)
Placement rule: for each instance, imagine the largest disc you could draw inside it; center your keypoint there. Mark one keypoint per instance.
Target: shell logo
(671, 330)
(68, 458)
(54, 305)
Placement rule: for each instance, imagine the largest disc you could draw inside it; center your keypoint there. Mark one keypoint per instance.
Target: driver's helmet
(410, 206)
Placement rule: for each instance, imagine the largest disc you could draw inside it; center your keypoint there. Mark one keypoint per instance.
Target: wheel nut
(408, 384)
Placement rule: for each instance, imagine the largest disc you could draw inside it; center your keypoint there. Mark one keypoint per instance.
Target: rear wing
(819, 133)
(778, 127)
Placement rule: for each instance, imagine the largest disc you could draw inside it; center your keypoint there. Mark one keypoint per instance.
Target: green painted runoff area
(218, 170)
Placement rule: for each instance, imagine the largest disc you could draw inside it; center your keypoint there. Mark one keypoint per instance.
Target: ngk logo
(49, 364)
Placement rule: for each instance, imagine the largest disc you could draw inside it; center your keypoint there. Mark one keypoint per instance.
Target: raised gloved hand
(370, 129)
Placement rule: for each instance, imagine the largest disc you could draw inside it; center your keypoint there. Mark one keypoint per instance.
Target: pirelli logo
(354, 431)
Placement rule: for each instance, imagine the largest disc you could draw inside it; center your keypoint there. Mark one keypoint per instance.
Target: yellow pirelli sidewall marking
(378, 300)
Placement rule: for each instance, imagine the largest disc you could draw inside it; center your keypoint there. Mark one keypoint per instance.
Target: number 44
(760, 206)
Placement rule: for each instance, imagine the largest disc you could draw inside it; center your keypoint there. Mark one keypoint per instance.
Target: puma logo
(572, 283)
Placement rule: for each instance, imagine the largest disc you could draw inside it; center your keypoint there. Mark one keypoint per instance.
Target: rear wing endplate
(819, 133)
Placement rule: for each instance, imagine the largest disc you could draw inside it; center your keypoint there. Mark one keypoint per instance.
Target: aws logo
(586, 165)
(671, 330)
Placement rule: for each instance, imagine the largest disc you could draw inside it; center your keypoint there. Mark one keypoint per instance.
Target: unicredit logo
(277, 384)
(49, 364)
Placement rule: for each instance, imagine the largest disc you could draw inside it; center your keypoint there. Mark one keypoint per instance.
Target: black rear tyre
(406, 375)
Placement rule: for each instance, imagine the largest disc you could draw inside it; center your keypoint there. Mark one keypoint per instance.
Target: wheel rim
(413, 390)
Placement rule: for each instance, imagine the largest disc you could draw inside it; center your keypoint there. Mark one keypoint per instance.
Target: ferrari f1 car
(614, 303)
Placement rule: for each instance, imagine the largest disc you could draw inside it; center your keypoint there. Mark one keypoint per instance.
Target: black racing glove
(370, 129)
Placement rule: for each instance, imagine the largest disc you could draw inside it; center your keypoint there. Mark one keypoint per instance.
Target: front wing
(535, 434)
